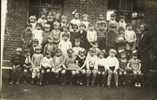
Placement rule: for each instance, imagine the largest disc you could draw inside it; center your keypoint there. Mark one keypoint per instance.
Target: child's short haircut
(82, 25)
(121, 29)
(39, 24)
(70, 51)
(66, 35)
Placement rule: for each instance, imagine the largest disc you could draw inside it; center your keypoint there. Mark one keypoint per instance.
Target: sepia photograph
(78, 50)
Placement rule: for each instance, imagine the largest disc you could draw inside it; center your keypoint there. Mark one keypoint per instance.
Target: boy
(50, 20)
(91, 35)
(122, 22)
(101, 27)
(134, 66)
(36, 65)
(91, 67)
(46, 65)
(113, 66)
(102, 68)
(77, 47)
(38, 33)
(58, 65)
(64, 21)
(17, 62)
(72, 69)
(130, 37)
(65, 44)
(113, 20)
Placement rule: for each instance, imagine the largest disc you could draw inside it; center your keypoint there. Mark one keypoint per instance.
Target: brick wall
(15, 24)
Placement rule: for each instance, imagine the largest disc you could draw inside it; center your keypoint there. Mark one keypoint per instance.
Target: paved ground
(58, 92)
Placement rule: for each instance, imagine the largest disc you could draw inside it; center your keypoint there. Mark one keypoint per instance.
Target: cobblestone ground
(58, 92)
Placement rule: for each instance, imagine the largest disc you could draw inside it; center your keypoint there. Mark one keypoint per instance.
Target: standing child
(74, 34)
(130, 37)
(34, 44)
(65, 44)
(75, 20)
(134, 66)
(85, 21)
(32, 21)
(113, 66)
(91, 67)
(17, 62)
(36, 65)
(46, 65)
(91, 35)
(38, 33)
(122, 22)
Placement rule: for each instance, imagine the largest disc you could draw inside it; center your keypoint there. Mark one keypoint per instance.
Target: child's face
(113, 18)
(82, 54)
(43, 16)
(48, 55)
(56, 26)
(38, 27)
(82, 28)
(47, 28)
(35, 44)
(85, 18)
(38, 51)
(50, 18)
(32, 20)
(101, 56)
(65, 38)
(77, 15)
(91, 28)
(134, 57)
(129, 27)
(121, 32)
(77, 43)
(50, 40)
(65, 29)
(111, 54)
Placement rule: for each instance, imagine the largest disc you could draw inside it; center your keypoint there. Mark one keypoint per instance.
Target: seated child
(36, 65)
(122, 67)
(113, 66)
(134, 66)
(46, 65)
(65, 44)
(27, 66)
(71, 67)
(17, 62)
(91, 66)
(58, 65)
(80, 59)
(102, 68)
(77, 47)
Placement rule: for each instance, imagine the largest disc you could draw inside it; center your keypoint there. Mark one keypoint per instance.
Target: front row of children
(92, 68)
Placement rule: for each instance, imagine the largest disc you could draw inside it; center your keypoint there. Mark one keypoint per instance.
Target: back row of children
(76, 52)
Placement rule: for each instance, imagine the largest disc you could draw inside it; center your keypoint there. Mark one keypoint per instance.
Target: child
(113, 66)
(34, 44)
(64, 21)
(38, 33)
(27, 37)
(55, 33)
(77, 47)
(65, 30)
(102, 68)
(130, 37)
(71, 66)
(101, 27)
(83, 37)
(42, 20)
(120, 41)
(134, 66)
(46, 34)
(17, 62)
(46, 65)
(76, 19)
(36, 65)
(50, 20)
(58, 65)
(91, 67)
(91, 35)
(85, 21)
(113, 20)
(32, 21)
(27, 66)
(122, 67)
(122, 22)
(65, 44)
(74, 34)
(80, 59)
(49, 47)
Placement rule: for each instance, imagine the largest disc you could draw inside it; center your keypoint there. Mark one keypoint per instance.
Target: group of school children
(57, 50)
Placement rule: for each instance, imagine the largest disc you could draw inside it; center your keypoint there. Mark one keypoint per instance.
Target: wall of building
(15, 25)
